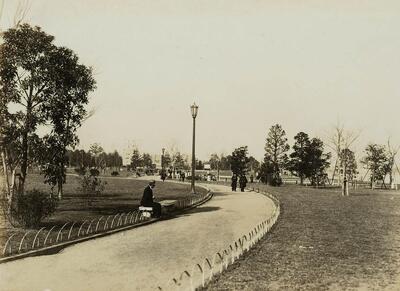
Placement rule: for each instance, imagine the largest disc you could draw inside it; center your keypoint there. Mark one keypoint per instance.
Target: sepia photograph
(199, 145)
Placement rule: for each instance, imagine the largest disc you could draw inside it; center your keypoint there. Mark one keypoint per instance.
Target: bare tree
(22, 11)
(341, 139)
(392, 152)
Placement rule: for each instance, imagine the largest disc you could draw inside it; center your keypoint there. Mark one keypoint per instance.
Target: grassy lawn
(323, 241)
(120, 195)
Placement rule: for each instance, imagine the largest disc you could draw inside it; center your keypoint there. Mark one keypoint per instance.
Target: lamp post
(194, 108)
(162, 161)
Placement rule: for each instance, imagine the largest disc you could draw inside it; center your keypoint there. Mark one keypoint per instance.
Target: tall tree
(275, 158)
(214, 162)
(25, 80)
(348, 163)
(65, 108)
(97, 151)
(167, 161)
(239, 161)
(224, 162)
(178, 161)
(253, 165)
(299, 164)
(375, 161)
(391, 163)
(340, 139)
(136, 159)
(147, 161)
(319, 162)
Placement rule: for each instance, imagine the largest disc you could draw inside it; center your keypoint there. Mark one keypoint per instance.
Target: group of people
(180, 174)
(242, 182)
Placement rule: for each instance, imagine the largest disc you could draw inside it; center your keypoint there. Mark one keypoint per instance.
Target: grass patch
(324, 241)
(120, 195)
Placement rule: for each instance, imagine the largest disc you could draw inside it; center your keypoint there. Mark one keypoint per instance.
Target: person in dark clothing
(242, 182)
(163, 175)
(234, 182)
(183, 176)
(148, 199)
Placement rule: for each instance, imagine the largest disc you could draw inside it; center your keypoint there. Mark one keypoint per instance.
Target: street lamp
(194, 108)
(162, 161)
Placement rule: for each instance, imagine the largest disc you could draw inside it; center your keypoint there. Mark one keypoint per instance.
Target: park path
(146, 257)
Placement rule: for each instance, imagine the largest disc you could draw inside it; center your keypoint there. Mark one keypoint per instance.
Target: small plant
(114, 173)
(92, 185)
(32, 207)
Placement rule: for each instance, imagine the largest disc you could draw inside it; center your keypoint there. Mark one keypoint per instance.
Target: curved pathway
(146, 257)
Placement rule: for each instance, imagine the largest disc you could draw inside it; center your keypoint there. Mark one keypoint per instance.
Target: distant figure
(183, 176)
(148, 199)
(242, 182)
(163, 176)
(234, 182)
(251, 178)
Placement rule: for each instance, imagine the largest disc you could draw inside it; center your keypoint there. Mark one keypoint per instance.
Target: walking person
(148, 199)
(183, 176)
(242, 182)
(163, 175)
(234, 182)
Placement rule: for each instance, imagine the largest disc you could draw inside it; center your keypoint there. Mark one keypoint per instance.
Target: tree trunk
(60, 178)
(25, 146)
(6, 181)
(334, 172)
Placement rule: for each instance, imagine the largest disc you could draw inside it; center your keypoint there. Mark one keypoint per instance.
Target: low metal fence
(36, 240)
(201, 273)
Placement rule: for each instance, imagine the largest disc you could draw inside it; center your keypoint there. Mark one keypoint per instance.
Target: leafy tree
(275, 158)
(299, 164)
(376, 161)
(199, 165)
(239, 161)
(115, 160)
(51, 88)
(178, 161)
(147, 161)
(254, 165)
(224, 162)
(167, 161)
(214, 162)
(348, 163)
(136, 160)
(308, 159)
(318, 162)
(65, 108)
(25, 80)
(97, 152)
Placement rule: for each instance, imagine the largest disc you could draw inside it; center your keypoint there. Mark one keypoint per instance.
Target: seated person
(148, 199)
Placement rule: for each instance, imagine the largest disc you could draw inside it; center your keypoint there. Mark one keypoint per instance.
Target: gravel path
(146, 257)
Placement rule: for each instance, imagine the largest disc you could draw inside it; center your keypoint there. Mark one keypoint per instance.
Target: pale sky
(247, 64)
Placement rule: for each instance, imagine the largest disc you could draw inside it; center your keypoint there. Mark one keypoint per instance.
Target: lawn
(120, 195)
(323, 241)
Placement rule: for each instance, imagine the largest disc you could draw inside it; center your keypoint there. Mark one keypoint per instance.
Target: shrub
(94, 172)
(33, 206)
(80, 171)
(114, 173)
(92, 185)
